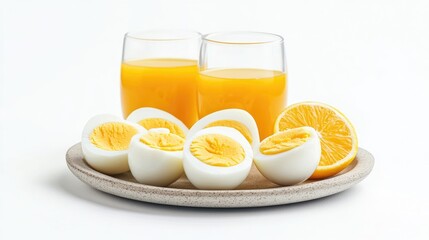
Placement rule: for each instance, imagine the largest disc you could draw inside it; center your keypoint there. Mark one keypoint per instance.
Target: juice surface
(260, 92)
(167, 84)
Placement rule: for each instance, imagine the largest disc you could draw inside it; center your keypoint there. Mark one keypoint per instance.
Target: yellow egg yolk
(284, 141)
(112, 136)
(233, 124)
(217, 150)
(150, 123)
(163, 141)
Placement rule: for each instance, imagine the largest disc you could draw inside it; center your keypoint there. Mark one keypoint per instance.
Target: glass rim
(270, 38)
(163, 35)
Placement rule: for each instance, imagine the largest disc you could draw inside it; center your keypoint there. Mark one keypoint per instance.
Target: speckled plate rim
(363, 165)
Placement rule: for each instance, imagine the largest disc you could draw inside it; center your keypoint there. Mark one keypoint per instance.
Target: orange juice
(167, 84)
(260, 92)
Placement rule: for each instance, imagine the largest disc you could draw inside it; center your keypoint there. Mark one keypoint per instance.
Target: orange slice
(337, 136)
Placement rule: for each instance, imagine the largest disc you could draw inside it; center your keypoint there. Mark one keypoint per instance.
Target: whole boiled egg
(155, 157)
(238, 119)
(155, 118)
(217, 158)
(105, 141)
(289, 157)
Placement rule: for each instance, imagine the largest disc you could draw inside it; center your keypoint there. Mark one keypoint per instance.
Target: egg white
(235, 114)
(108, 162)
(154, 166)
(293, 166)
(204, 176)
(148, 112)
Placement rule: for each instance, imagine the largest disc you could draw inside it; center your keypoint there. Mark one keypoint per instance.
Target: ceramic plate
(255, 191)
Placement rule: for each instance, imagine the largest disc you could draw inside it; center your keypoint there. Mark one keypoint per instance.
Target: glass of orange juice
(245, 70)
(159, 69)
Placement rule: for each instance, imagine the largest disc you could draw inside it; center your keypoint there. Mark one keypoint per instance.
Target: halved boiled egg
(217, 158)
(155, 157)
(289, 157)
(105, 141)
(238, 119)
(155, 118)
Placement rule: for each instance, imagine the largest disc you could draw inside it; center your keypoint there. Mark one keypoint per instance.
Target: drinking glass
(245, 70)
(159, 69)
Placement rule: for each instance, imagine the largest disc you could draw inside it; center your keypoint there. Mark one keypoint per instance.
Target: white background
(60, 66)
